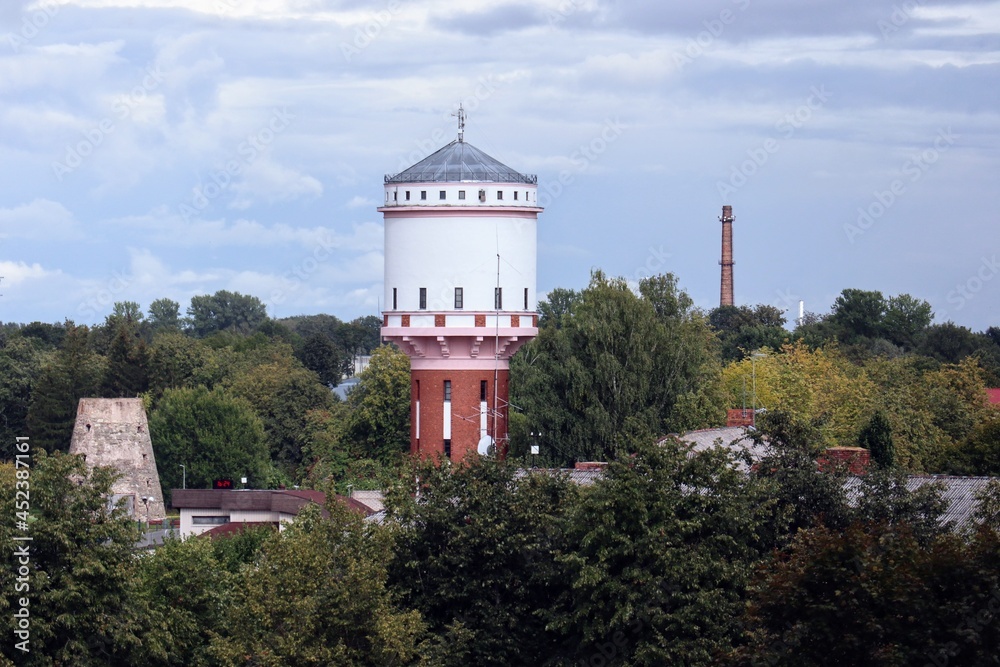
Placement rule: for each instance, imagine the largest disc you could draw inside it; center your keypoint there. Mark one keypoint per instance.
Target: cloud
(265, 180)
(41, 220)
(16, 273)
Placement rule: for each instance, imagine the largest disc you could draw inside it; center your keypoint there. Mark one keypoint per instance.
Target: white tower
(460, 258)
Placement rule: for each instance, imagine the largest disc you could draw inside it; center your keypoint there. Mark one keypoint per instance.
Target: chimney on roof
(727, 256)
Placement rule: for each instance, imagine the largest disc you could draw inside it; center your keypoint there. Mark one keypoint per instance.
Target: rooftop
(460, 162)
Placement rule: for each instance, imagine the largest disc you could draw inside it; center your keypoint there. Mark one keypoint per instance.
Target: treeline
(670, 558)
(612, 363)
(230, 392)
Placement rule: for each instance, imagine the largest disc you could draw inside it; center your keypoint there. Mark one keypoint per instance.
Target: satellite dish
(485, 447)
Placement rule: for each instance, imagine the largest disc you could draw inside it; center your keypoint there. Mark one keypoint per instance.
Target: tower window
(497, 298)
(447, 390)
(394, 306)
(461, 194)
(459, 298)
(442, 194)
(407, 195)
(423, 298)
(526, 298)
(423, 194)
(499, 194)
(482, 390)
(447, 447)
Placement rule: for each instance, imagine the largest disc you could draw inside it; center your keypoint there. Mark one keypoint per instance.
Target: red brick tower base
(451, 410)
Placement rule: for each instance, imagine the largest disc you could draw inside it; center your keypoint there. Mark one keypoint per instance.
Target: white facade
(460, 249)
(195, 521)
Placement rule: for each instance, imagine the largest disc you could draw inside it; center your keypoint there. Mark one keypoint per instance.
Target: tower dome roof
(457, 162)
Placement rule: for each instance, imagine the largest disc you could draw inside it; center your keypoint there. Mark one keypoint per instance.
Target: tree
(905, 319)
(662, 552)
(558, 303)
(742, 329)
(74, 372)
(475, 554)
(80, 562)
(622, 365)
(182, 590)
(322, 357)
(858, 314)
(225, 311)
(334, 607)
(872, 594)
(175, 360)
(876, 437)
(282, 392)
(20, 365)
(165, 315)
(127, 369)
(213, 434)
(379, 422)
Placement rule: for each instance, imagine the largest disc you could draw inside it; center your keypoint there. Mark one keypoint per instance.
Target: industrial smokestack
(727, 256)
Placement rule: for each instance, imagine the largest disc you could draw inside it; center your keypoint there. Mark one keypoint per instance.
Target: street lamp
(184, 476)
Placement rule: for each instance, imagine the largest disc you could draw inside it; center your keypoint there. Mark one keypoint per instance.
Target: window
(482, 195)
(423, 194)
(497, 298)
(442, 195)
(459, 298)
(394, 306)
(395, 196)
(499, 194)
(407, 195)
(209, 520)
(526, 298)
(447, 448)
(461, 194)
(423, 298)
(447, 390)
(515, 195)
(482, 390)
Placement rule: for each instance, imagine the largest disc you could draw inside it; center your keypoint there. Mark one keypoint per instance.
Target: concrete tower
(727, 256)
(460, 257)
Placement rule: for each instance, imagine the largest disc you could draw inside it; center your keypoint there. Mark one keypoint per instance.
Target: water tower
(460, 258)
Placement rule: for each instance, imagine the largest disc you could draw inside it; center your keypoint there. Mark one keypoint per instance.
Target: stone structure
(113, 432)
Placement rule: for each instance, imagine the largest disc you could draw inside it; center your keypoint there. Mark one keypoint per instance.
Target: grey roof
(958, 492)
(457, 162)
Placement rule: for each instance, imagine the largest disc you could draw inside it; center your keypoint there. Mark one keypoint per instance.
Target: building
(114, 432)
(226, 511)
(460, 261)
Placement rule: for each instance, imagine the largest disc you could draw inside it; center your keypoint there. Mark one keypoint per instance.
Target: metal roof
(457, 162)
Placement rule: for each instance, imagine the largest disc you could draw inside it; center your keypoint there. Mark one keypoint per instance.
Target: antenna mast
(461, 123)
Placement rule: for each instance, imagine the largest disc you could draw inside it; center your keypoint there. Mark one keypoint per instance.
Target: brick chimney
(727, 256)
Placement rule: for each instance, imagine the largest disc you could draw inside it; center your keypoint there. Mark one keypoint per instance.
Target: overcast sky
(170, 148)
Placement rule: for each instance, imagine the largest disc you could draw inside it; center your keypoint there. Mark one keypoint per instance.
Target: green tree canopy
(225, 311)
(74, 372)
(81, 565)
(318, 596)
(165, 315)
(211, 432)
(620, 366)
(379, 421)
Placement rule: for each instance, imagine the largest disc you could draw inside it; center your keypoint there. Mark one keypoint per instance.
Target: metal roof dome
(456, 162)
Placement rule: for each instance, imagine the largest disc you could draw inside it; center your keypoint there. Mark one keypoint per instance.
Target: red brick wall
(464, 403)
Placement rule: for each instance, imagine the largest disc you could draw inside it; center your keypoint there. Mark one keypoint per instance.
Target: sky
(172, 148)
